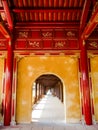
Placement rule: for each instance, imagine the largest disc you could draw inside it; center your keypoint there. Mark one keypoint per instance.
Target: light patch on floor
(49, 109)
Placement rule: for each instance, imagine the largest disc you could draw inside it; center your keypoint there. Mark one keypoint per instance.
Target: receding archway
(47, 94)
(29, 68)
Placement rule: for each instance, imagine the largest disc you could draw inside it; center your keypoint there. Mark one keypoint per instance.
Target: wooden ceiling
(48, 80)
(46, 13)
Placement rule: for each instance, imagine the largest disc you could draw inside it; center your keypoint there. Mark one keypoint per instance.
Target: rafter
(8, 14)
(93, 22)
(3, 29)
(84, 15)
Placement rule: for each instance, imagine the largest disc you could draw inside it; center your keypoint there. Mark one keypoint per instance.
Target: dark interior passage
(47, 82)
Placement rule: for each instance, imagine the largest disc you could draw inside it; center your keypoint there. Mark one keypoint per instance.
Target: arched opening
(47, 99)
(30, 69)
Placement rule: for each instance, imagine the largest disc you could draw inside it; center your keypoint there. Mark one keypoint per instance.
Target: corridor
(49, 110)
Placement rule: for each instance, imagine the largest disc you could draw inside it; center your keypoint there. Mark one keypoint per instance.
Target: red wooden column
(8, 85)
(85, 84)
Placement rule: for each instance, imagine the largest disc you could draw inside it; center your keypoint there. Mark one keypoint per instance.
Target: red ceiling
(45, 13)
(48, 10)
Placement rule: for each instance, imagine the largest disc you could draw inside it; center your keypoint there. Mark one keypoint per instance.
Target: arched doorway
(30, 68)
(47, 99)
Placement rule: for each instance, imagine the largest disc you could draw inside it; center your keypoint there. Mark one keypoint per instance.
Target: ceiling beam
(3, 29)
(8, 14)
(18, 10)
(47, 24)
(84, 15)
(93, 22)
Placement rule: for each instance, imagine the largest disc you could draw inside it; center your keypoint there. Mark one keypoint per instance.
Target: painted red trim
(3, 89)
(4, 76)
(91, 91)
(90, 82)
(14, 76)
(14, 88)
(82, 111)
(92, 104)
(79, 64)
(13, 100)
(81, 98)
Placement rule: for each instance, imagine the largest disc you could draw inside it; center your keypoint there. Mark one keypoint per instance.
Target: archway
(31, 68)
(47, 99)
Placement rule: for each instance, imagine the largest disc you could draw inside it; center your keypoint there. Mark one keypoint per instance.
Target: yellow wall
(1, 79)
(94, 74)
(30, 68)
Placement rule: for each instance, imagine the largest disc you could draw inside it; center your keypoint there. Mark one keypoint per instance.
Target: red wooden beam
(3, 30)
(84, 15)
(52, 10)
(8, 14)
(93, 22)
(47, 25)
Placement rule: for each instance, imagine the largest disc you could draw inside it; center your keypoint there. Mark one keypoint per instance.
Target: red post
(85, 84)
(8, 14)
(8, 86)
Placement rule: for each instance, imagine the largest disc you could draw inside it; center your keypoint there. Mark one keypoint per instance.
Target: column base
(13, 123)
(93, 120)
(1, 124)
(83, 120)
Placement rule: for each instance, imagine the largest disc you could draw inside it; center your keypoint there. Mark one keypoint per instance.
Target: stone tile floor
(50, 127)
(49, 117)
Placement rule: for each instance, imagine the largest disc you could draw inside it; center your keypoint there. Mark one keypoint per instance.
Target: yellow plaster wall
(30, 68)
(94, 74)
(1, 79)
